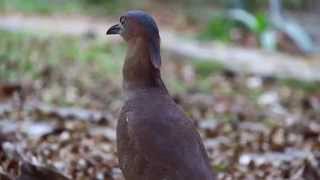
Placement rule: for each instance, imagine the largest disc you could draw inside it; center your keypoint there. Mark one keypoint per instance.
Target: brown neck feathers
(138, 71)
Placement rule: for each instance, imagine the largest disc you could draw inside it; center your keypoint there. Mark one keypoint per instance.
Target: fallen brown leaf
(7, 90)
(4, 177)
(32, 172)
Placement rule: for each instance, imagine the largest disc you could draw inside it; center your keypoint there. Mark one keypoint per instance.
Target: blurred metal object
(290, 28)
(239, 4)
(268, 40)
(244, 17)
(296, 37)
(275, 9)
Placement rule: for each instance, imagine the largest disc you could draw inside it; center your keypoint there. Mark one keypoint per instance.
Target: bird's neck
(138, 71)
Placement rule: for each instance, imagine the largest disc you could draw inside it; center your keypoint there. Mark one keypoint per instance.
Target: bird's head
(135, 24)
(140, 25)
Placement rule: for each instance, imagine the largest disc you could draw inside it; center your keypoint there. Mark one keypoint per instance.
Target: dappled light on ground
(60, 92)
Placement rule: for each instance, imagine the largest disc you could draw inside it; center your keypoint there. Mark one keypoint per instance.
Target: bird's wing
(166, 139)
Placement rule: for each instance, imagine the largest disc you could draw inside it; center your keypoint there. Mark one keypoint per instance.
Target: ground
(60, 97)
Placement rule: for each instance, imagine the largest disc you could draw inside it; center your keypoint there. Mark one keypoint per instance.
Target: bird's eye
(123, 20)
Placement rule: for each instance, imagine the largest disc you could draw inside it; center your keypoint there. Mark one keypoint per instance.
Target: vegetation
(40, 6)
(103, 7)
(24, 55)
(93, 7)
(251, 125)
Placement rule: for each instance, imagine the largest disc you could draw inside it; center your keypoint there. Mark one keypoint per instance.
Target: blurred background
(246, 71)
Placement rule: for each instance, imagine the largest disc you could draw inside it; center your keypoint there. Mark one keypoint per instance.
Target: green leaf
(218, 28)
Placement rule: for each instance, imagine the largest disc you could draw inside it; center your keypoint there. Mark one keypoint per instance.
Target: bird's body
(155, 139)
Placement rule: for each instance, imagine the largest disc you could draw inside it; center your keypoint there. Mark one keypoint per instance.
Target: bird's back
(157, 141)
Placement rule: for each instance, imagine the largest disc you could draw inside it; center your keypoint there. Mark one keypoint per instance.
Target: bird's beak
(116, 29)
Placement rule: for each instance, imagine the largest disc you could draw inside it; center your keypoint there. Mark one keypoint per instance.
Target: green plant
(218, 28)
(310, 87)
(265, 28)
(40, 6)
(25, 56)
(204, 68)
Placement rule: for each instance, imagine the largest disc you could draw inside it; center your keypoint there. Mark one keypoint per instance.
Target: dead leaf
(7, 90)
(4, 177)
(32, 172)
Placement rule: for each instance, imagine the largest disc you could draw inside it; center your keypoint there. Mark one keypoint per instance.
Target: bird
(155, 138)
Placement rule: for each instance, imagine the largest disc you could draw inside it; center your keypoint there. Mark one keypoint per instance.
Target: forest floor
(61, 94)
